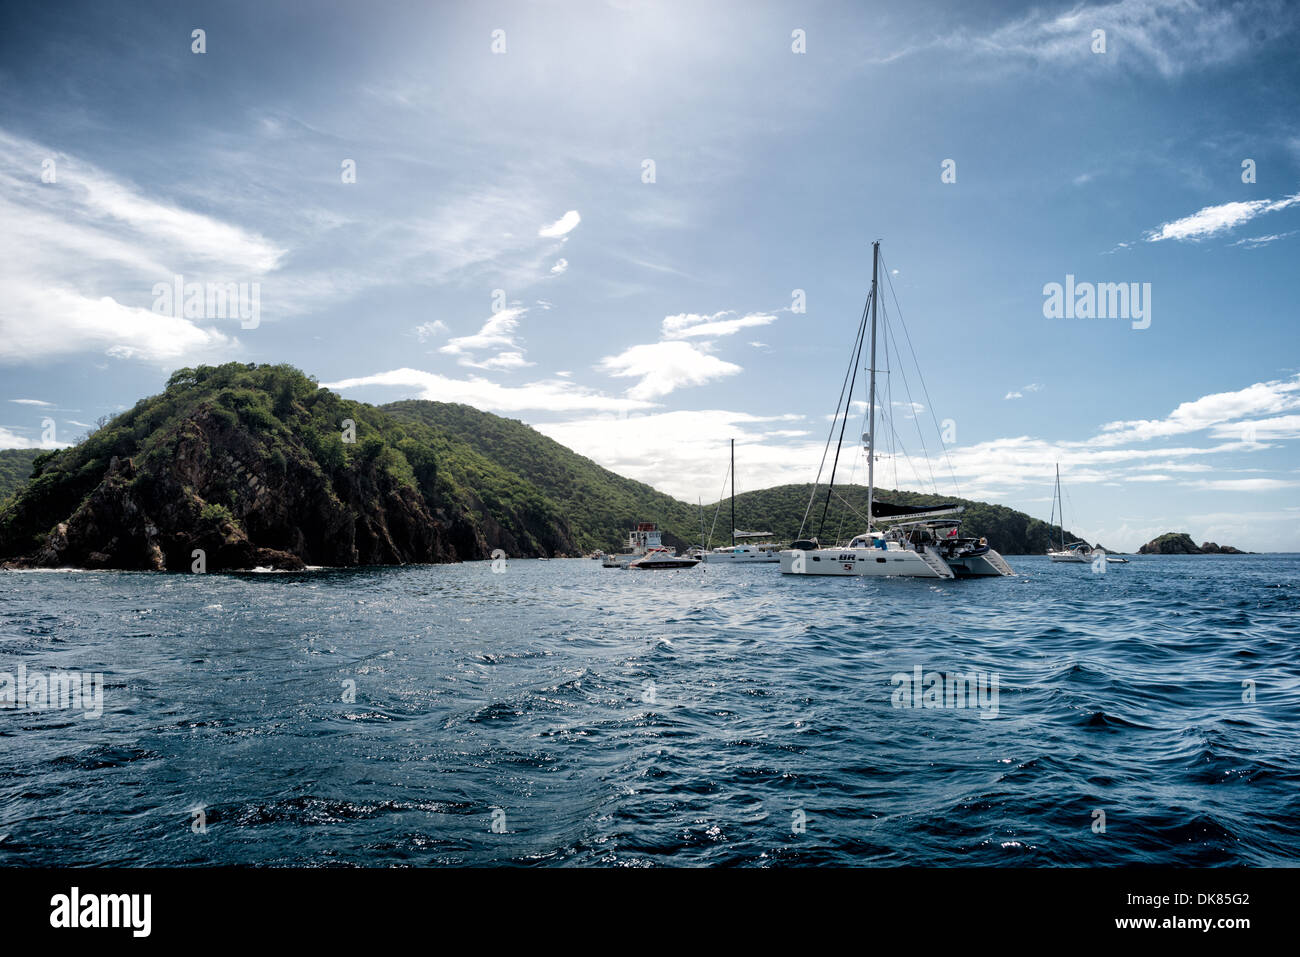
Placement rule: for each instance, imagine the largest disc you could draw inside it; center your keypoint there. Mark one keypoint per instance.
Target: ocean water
(559, 713)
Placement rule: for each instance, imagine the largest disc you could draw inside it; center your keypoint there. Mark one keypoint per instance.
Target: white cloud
(12, 440)
(665, 366)
(31, 402)
(502, 360)
(560, 266)
(1020, 393)
(549, 395)
(1216, 219)
(83, 253)
(1254, 242)
(1262, 398)
(41, 323)
(429, 330)
(1258, 430)
(485, 232)
(85, 205)
(1241, 485)
(693, 326)
(1173, 467)
(1168, 36)
(497, 333)
(562, 226)
(671, 363)
(684, 453)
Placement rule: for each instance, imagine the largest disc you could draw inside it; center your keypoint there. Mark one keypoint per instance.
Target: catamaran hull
(988, 565)
(863, 562)
(735, 558)
(887, 563)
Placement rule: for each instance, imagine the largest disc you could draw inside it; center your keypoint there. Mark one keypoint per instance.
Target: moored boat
(1080, 553)
(662, 558)
(916, 543)
(738, 553)
(643, 541)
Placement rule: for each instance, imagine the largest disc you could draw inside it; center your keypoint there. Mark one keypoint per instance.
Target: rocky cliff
(257, 466)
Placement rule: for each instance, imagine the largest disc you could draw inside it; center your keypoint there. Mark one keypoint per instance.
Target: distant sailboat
(736, 554)
(1076, 552)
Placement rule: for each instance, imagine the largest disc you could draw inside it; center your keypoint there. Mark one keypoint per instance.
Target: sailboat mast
(1061, 502)
(871, 395)
(733, 493)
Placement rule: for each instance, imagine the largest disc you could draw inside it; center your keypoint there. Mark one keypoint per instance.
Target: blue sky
(501, 246)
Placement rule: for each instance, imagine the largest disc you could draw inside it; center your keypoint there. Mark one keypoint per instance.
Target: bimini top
(886, 510)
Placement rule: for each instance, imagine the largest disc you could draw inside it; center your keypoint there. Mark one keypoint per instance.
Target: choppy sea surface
(559, 713)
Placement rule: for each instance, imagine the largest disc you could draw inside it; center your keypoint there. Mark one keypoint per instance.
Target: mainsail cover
(887, 510)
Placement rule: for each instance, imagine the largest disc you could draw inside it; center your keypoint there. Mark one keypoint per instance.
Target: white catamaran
(918, 542)
(739, 552)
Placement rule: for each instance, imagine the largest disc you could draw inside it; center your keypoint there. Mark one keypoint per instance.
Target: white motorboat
(662, 557)
(743, 554)
(917, 543)
(642, 542)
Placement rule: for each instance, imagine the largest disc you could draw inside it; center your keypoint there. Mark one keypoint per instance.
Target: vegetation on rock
(1180, 543)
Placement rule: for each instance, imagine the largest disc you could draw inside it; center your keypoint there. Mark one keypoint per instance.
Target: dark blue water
(772, 704)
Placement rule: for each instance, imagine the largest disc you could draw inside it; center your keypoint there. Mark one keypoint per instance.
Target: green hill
(15, 469)
(257, 465)
(252, 464)
(780, 510)
(600, 505)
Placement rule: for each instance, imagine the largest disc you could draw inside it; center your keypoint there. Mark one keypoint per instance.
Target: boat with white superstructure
(1080, 553)
(919, 541)
(645, 549)
(739, 552)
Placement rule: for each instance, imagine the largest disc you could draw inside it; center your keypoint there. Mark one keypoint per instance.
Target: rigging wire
(871, 302)
(709, 541)
(924, 390)
(912, 404)
(852, 364)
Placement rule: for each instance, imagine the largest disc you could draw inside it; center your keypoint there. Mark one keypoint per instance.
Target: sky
(645, 229)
